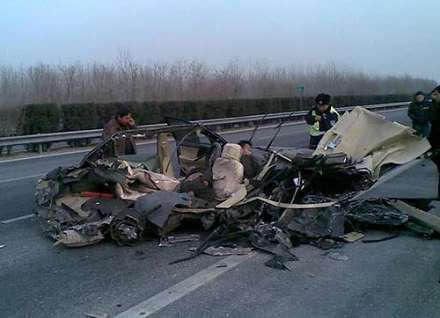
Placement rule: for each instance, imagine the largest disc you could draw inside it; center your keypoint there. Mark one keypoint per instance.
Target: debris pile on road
(324, 198)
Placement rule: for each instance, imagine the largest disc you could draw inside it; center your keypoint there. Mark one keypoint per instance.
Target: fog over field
(109, 50)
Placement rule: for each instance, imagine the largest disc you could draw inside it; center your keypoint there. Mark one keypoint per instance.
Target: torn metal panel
(317, 223)
(375, 212)
(166, 201)
(105, 207)
(288, 205)
(75, 203)
(361, 133)
(425, 218)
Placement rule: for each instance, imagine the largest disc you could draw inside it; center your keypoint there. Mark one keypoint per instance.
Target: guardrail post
(40, 148)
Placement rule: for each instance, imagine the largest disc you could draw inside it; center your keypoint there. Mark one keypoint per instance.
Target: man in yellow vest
(320, 119)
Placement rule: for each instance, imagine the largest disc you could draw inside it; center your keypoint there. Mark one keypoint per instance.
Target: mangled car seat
(227, 172)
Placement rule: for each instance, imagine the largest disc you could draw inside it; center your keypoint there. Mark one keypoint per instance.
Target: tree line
(127, 80)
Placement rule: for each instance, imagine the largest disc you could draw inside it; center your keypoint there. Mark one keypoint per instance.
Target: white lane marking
(24, 217)
(21, 178)
(170, 295)
(46, 156)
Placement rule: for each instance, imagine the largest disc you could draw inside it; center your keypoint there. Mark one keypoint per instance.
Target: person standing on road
(320, 119)
(122, 121)
(434, 135)
(418, 111)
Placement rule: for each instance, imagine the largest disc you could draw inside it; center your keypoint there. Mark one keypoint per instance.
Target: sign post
(300, 90)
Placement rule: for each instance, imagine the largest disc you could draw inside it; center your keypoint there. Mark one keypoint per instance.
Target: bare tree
(188, 80)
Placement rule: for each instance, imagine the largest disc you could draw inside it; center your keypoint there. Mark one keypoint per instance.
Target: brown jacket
(123, 146)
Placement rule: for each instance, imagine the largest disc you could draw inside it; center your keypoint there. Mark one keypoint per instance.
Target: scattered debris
(226, 251)
(183, 238)
(381, 239)
(375, 213)
(353, 237)
(337, 256)
(2, 245)
(281, 262)
(324, 198)
(96, 315)
(168, 241)
(420, 229)
(425, 218)
(72, 238)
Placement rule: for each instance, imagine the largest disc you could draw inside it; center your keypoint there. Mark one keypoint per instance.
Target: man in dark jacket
(434, 135)
(418, 111)
(250, 163)
(122, 121)
(434, 118)
(320, 119)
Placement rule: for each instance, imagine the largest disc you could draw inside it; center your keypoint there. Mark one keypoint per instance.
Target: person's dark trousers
(435, 143)
(314, 141)
(436, 159)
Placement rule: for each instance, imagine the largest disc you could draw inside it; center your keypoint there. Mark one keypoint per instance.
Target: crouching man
(320, 119)
(122, 121)
(250, 163)
(227, 172)
(419, 111)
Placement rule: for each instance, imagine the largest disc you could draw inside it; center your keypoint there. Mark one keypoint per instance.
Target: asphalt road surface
(396, 278)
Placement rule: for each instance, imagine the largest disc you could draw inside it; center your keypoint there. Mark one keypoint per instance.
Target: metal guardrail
(40, 139)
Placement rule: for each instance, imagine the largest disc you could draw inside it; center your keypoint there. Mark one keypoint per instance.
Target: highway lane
(39, 280)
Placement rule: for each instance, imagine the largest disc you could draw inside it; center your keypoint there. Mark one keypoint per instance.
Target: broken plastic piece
(353, 237)
(2, 245)
(183, 238)
(72, 238)
(225, 251)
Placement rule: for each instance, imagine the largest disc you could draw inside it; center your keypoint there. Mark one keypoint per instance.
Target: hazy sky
(387, 36)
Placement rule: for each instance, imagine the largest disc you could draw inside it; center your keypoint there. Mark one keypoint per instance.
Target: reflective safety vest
(331, 118)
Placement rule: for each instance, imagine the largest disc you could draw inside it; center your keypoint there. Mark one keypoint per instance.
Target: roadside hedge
(44, 118)
(37, 119)
(40, 118)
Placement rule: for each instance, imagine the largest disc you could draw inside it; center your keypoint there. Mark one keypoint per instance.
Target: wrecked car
(324, 197)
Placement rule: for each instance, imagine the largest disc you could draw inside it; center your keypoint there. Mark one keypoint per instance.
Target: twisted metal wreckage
(324, 198)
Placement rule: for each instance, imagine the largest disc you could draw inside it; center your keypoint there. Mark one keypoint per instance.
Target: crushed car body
(324, 198)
